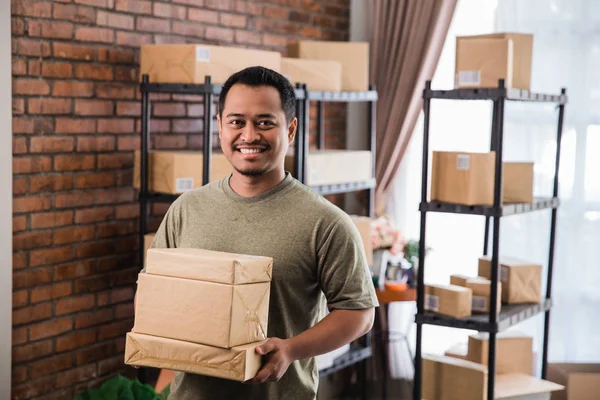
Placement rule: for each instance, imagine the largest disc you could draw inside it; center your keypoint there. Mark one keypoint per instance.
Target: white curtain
(566, 54)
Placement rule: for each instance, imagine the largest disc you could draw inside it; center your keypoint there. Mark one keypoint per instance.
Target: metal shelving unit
(510, 314)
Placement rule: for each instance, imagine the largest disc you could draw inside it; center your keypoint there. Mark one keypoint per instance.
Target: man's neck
(250, 186)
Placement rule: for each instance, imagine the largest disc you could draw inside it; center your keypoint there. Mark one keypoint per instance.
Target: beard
(251, 171)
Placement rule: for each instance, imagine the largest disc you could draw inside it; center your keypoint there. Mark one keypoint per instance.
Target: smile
(251, 151)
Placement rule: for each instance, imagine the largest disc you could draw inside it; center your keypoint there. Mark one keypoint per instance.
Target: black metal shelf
(347, 97)
(494, 94)
(509, 315)
(352, 357)
(541, 203)
(158, 197)
(338, 188)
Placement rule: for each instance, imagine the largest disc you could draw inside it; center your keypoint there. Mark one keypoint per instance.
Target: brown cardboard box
(148, 238)
(524, 387)
(239, 363)
(354, 57)
(454, 301)
(178, 171)
(481, 295)
(209, 266)
(582, 381)
(463, 178)
(517, 182)
(483, 59)
(328, 167)
(521, 280)
(514, 352)
(190, 63)
(458, 351)
(459, 280)
(363, 224)
(319, 75)
(449, 378)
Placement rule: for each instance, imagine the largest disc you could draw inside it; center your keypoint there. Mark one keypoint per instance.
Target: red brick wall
(76, 123)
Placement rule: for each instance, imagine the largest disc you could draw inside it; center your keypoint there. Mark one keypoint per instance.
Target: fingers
(263, 375)
(267, 347)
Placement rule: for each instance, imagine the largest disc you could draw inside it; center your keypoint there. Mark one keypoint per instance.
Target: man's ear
(292, 129)
(219, 124)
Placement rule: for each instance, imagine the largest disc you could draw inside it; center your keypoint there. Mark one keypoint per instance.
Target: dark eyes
(263, 123)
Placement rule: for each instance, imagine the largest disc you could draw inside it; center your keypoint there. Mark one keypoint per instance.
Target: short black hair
(261, 76)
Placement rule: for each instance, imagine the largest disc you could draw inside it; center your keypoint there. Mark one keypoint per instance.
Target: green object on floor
(121, 388)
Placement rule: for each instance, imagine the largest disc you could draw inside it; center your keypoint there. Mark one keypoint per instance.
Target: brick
(19, 261)
(170, 142)
(75, 375)
(17, 27)
(233, 20)
(51, 292)
(95, 180)
(310, 5)
(76, 199)
(248, 7)
(31, 204)
(96, 3)
(45, 144)
(30, 86)
(169, 39)
(203, 15)
(71, 305)
(72, 235)
(220, 34)
(299, 16)
(247, 37)
(93, 318)
(96, 72)
(31, 314)
(51, 219)
(57, 69)
(115, 161)
(129, 211)
(50, 106)
(96, 144)
(31, 240)
(169, 110)
(33, 388)
(116, 125)
(188, 29)
(122, 295)
(18, 106)
(111, 365)
(147, 24)
(19, 224)
(124, 311)
(51, 256)
(95, 249)
(22, 125)
(324, 21)
(117, 262)
(31, 278)
(276, 12)
(126, 74)
(74, 163)
(168, 11)
(117, 56)
(115, 329)
(19, 67)
(114, 91)
(72, 89)
(93, 107)
(94, 284)
(32, 8)
(50, 365)
(129, 108)
(25, 165)
(60, 394)
(114, 20)
(90, 215)
(75, 125)
(115, 196)
(219, 4)
(50, 30)
(187, 125)
(50, 183)
(20, 186)
(94, 353)
(310, 32)
(195, 3)
(125, 178)
(72, 51)
(74, 270)
(127, 143)
(19, 145)
(32, 351)
(95, 35)
(19, 374)
(19, 336)
(114, 229)
(134, 6)
(79, 14)
(157, 126)
(20, 298)
(133, 39)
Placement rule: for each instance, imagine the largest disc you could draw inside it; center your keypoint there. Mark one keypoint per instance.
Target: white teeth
(250, 151)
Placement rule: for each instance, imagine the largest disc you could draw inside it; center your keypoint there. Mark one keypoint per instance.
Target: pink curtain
(406, 39)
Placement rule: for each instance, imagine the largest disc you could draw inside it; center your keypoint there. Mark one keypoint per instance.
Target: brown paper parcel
(521, 280)
(209, 266)
(213, 314)
(239, 363)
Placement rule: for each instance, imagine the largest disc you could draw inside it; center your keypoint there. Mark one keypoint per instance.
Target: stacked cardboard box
(582, 380)
(481, 291)
(202, 312)
(329, 167)
(521, 280)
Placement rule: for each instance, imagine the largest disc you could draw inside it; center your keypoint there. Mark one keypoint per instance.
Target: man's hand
(279, 356)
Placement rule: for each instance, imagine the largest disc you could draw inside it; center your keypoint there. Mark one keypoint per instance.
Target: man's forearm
(332, 332)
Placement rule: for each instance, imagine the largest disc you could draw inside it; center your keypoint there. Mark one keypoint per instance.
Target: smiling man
(260, 209)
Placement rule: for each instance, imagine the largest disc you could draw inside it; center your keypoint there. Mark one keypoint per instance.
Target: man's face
(253, 130)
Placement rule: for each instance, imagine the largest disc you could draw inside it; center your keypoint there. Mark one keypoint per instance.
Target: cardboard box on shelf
(521, 280)
(329, 167)
(190, 63)
(318, 75)
(514, 352)
(459, 279)
(463, 178)
(482, 60)
(353, 56)
(459, 350)
(451, 300)
(238, 363)
(482, 289)
(524, 387)
(581, 381)
(148, 238)
(364, 226)
(517, 182)
(175, 172)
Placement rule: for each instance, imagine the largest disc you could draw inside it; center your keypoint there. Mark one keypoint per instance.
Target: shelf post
(493, 139)
(421, 265)
(373, 149)
(208, 130)
(321, 125)
(561, 115)
(306, 133)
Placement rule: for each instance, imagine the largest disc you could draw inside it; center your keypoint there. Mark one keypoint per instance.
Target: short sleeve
(343, 272)
(168, 232)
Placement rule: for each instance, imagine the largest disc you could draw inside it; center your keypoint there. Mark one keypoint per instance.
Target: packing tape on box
(238, 266)
(251, 318)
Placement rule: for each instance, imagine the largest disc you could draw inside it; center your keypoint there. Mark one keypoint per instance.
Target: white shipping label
(432, 303)
(469, 78)
(202, 54)
(184, 185)
(463, 162)
(479, 303)
(504, 274)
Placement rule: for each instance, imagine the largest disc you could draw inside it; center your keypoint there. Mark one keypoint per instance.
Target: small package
(482, 291)
(521, 280)
(514, 352)
(459, 350)
(318, 75)
(451, 300)
(459, 279)
(517, 182)
(239, 363)
(364, 226)
(330, 167)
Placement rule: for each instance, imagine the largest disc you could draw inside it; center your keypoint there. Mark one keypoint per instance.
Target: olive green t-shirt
(317, 256)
